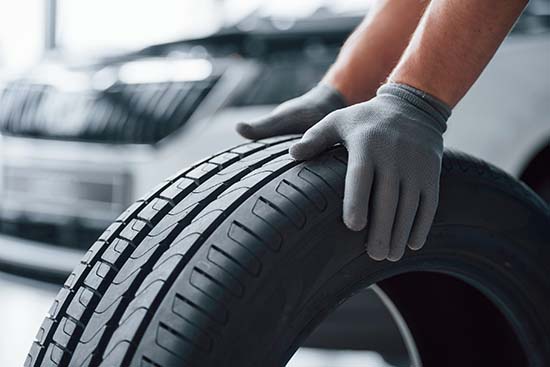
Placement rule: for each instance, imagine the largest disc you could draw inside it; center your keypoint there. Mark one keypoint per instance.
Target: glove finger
(385, 198)
(358, 186)
(404, 219)
(265, 127)
(424, 219)
(316, 139)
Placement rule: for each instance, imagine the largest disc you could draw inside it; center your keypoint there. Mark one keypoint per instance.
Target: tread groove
(36, 355)
(174, 232)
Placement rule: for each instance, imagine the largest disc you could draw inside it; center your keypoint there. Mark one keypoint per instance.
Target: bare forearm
(374, 48)
(453, 43)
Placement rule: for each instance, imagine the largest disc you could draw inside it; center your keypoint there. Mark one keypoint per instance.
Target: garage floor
(24, 302)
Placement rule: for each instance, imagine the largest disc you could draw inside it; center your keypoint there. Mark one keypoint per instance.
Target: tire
(236, 260)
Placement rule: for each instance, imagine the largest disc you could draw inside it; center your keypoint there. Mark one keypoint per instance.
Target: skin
(438, 47)
(448, 51)
(379, 41)
(453, 44)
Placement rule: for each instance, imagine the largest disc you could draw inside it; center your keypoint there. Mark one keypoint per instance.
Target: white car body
(504, 119)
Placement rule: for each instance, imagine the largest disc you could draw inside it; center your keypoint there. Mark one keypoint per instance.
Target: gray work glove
(395, 147)
(296, 115)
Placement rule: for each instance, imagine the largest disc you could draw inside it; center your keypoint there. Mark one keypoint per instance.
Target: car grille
(120, 114)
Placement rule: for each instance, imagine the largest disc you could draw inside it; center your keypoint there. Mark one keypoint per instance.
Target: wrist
(429, 105)
(353, 87)
(330, 97)
(405, 74)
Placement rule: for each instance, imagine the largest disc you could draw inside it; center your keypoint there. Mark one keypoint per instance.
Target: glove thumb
(261, 128)
(317, 139)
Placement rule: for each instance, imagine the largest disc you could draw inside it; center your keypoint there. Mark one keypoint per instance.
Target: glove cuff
(331, 97)
(434, 107)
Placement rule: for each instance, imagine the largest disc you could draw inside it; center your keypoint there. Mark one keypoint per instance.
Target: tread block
(178, 248)
(202, 170)
(55, 308)
(69, 326)
(43, 330)
(224, 158)
(178, 343)
(133, 230)
(93, 253)
(233, 263)
(128, 213)
(64, 331)
(294, 194)
(145, 249)
(97, 275)
(185, 309)
(314, 193)
(277, 139)
(222, 277)
(142, 300)
(82, 299)
(255, 242)
(168, 223)
(176, 191)
(247, 148)
(126, 253)
(54, 354)
(319, 176)
(126, 275)
(206, 304)
(115, 354)
(147, 362)
(270, 210)
(113, 253)
(35, 353)
(154, 211)
(205, 283)
(242, 256)
(188, 331)
(110, 231)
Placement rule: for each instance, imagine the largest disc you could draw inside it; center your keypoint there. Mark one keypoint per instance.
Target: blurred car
(81, 142)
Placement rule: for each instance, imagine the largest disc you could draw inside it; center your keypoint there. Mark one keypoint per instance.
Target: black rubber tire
(234, 261)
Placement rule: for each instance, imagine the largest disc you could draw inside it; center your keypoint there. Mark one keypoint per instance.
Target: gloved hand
(296, 115)
(395, 147)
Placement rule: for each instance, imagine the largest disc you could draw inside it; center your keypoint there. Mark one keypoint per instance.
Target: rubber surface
(234, 261)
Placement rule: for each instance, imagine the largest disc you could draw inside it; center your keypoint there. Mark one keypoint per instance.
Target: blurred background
(102, 100)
